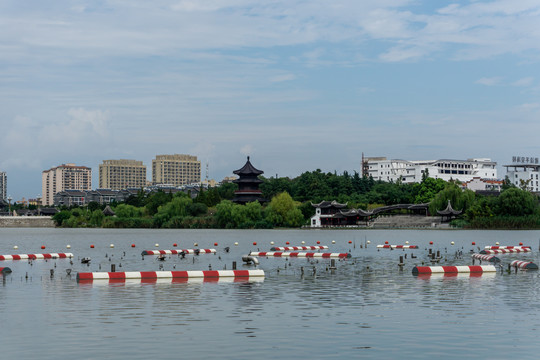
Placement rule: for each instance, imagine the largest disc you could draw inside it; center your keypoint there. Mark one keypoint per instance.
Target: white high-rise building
(524, 172)
(381, 168)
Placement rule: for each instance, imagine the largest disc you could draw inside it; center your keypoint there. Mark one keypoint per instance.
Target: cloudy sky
(296, 84)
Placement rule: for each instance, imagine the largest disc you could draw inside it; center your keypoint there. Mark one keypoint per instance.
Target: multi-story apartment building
(3, 186)
(381, 168)
(176, 170)
(122, 174)
(64, 177)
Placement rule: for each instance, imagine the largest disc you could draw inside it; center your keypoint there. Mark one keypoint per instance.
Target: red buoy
(287, 243)
(431, 243)
(175, 244)
(91, 246)
(132, 245)
(520, 243)
(386, 242)
(350, 242)
(473, 243)
(42, 246)
(215, 244)
(318, 242)
(254, 243)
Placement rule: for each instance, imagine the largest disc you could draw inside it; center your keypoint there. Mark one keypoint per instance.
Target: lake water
(366, 308)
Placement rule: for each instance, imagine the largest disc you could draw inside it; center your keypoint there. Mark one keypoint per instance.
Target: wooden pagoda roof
(248, 169)
(448, 211)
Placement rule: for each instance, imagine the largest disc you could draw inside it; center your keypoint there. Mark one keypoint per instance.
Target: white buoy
(303, 242)
(368, 242)
(452, 243)
(333, 241)
(406, 242)
(111, 246)
(271, 243)
(195, 244)
(236, 244)
(15, 247)
(68, 246)
(156, 245)
(497, 243)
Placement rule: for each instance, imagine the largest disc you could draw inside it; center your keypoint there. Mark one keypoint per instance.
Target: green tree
(516, 202)
(459, 199)
(284, 211)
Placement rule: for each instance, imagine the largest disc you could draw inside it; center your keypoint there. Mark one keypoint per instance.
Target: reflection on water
(365, 307)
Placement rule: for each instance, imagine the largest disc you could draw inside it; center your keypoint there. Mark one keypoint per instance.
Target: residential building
(381, 168)
(102, 196)
(3, 186)
(70, 198)
(64, 177)
(176, 170)
(121, 174)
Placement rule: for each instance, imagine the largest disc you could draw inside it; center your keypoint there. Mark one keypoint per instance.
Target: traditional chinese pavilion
(449, 212)
(248, 184)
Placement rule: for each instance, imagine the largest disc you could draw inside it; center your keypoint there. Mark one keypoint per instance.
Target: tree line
(290, 204)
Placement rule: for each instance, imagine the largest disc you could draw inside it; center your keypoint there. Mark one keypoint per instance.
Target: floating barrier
(5, 270)
(299, 254)
(452, 269)
(154, 275)
(526, 265)
(505, 251)
(36, 256)
(286, 248)
(174, 252)
(397, 246)
(490, 258)
(506, 247)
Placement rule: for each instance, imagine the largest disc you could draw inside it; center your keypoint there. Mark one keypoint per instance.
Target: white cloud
(489, 81)
(526, 81)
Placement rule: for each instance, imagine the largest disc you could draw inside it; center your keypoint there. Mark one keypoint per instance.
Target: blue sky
(298, 85)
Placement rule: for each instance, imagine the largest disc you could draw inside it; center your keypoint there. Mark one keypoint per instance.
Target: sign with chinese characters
(525, 160)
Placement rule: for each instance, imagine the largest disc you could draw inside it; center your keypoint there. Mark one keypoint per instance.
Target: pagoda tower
(248, 184)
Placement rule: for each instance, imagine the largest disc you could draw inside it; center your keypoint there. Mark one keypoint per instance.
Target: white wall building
(381, 168)
(524, 174)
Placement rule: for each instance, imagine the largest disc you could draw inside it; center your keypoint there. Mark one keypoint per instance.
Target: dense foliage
(290, 204)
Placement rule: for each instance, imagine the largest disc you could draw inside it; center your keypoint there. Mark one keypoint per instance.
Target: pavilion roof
(449, 210)
(248, 169)
(326, 204)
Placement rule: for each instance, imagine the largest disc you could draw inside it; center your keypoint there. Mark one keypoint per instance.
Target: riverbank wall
(26, 222)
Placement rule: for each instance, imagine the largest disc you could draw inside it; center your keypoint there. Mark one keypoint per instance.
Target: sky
(298, 85)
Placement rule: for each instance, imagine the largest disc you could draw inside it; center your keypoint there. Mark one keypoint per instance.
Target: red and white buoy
(526, 265)
(286, 248)
(489, 258)
(5, 270)
(174, 252)
(397, 246)
(417, 270)
(506, 247)
(36, 256)
(155, 275)
(300, 254)
(505, 251)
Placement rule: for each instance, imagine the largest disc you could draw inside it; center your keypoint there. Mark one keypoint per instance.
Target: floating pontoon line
(286, 248)
(210, 274)
(452, 269)
(174, 252)
(505, 251)
(5, 270)
(192, 280)
(434, 276)
(36, 256)
(299, 254)
(526, 265)
(506, 247)
(397, 246)
(482, 257)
